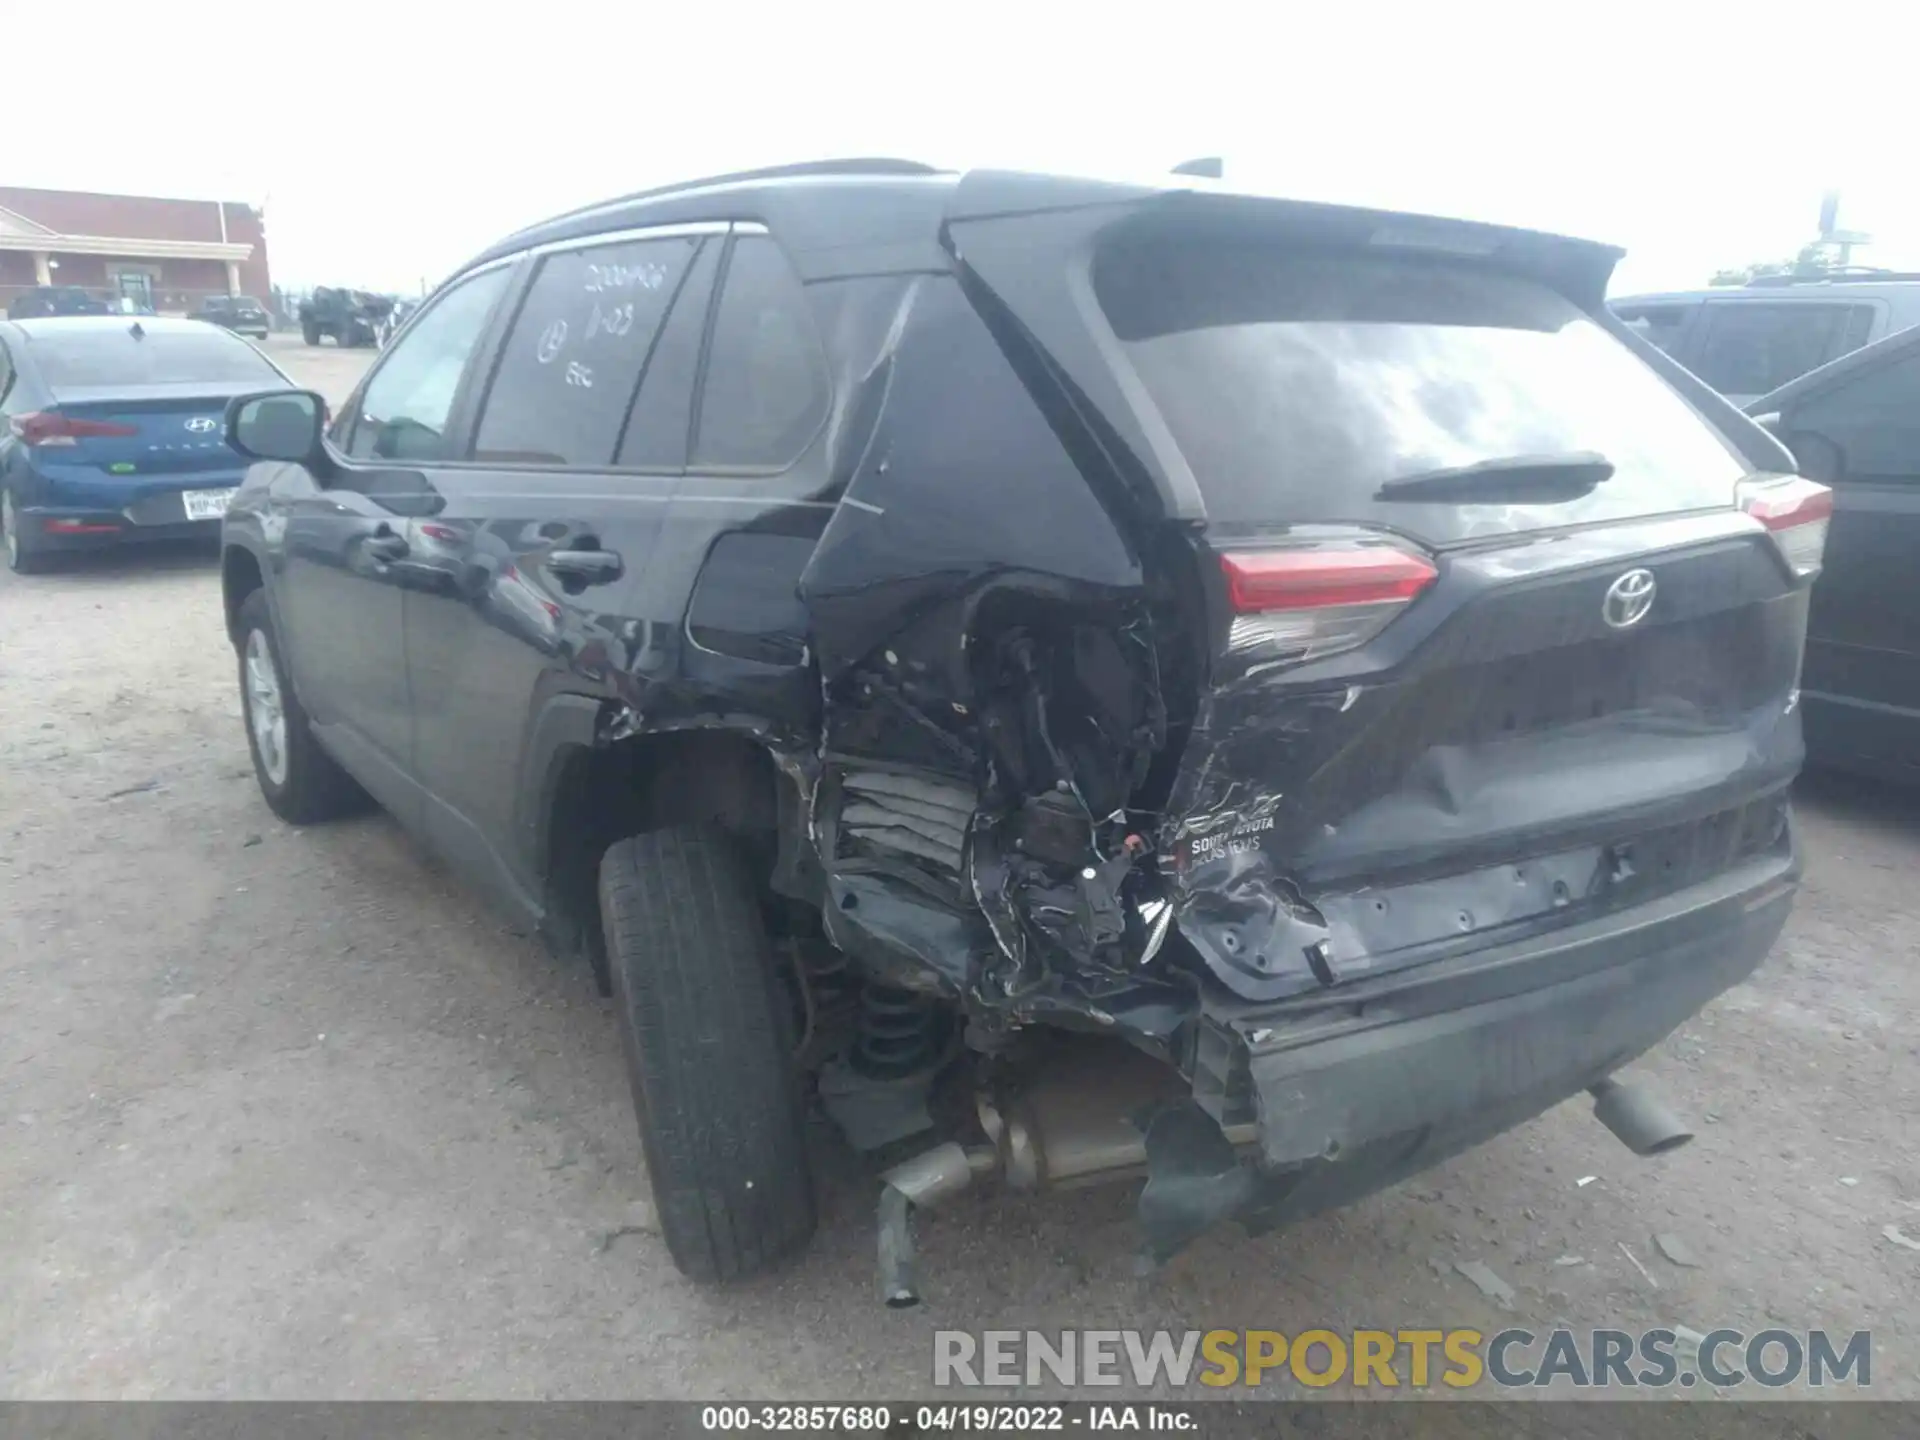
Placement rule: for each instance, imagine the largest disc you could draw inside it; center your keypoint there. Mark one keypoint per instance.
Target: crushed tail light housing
(50, 427)
(1795, 512)
(1301, 602)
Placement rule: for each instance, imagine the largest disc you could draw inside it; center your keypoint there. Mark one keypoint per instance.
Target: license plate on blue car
(206, 504)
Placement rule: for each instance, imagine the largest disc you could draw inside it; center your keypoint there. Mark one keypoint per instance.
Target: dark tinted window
(403, 411)
(765, 394)
(1870, 421)
(567, 374)
(108, 354)
(1296, 384)
(656, 437)
(1751, 348)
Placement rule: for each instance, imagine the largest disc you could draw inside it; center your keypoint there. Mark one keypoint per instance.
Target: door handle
(590, 566)
(387, 547)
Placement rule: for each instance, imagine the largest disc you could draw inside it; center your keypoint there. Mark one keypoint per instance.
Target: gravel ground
(289, 1114)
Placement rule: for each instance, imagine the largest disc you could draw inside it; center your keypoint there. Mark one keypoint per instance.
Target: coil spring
(899, 1033)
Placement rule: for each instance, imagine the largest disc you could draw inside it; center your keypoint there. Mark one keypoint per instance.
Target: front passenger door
(338, 595)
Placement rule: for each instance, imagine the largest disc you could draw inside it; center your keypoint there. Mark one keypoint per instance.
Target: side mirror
(279, 425)
(1770, 422)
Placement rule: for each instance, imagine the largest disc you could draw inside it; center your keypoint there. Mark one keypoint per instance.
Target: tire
(310, 332)
(22, 556)
(308, 785)
(708, 1052)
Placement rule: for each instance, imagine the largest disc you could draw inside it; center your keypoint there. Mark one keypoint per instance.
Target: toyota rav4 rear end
(1438, 766)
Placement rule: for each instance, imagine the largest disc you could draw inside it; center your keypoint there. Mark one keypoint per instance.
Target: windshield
(1297, 384)
(110, 355)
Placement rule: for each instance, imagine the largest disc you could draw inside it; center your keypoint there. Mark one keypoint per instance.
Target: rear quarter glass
(1296, 383)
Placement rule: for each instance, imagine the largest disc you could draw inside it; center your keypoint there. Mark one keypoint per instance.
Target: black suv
(1076, 679)
(1855, 425)
(241, 314)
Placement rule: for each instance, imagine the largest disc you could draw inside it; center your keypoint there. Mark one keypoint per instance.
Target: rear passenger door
(1861, 434)
(534, 583)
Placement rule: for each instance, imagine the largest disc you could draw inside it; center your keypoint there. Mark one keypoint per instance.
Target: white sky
(390, 141)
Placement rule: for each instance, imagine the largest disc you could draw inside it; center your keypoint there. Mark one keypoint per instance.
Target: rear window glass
(110, 355)
(1296, 384)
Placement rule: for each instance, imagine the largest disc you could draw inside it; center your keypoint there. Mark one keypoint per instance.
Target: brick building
(170, 253)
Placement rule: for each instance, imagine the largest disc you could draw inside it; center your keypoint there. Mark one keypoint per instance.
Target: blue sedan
(115, 432)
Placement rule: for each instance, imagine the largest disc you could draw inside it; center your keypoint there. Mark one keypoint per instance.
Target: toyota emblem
(1628, 599)
(202, 424)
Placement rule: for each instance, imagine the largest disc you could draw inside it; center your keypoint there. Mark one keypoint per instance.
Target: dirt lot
(288, 1113)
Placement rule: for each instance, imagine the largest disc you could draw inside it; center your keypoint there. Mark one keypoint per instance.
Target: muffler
(1641, 1121)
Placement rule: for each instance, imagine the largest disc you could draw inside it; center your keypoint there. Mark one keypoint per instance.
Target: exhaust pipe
(1640, 1120)
(926, 1179)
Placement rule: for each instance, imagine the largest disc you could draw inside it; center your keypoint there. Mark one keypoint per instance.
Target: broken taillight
(1795, 512)
(1301, 602)
(50, 427)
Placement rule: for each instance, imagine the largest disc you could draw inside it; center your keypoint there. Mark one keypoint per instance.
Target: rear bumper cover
(107, 528)
(1354, 1095)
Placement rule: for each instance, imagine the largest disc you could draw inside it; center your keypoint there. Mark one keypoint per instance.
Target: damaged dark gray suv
(1072, 680)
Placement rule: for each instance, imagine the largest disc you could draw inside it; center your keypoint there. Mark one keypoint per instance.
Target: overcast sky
(390, 141)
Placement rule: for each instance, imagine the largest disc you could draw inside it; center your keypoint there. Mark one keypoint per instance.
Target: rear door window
(1296, 383)
(766, 394)
(567, 375)
(1750, 348)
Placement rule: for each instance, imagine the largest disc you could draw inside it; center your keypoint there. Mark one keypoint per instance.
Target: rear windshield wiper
(1517, 477)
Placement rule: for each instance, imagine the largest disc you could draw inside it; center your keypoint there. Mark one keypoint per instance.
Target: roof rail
(859, 165)
(1853, 274)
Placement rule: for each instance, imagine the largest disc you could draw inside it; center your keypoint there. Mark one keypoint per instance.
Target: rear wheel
(300, 781)
(708, 1053)
(22, 556)
(310, 332)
